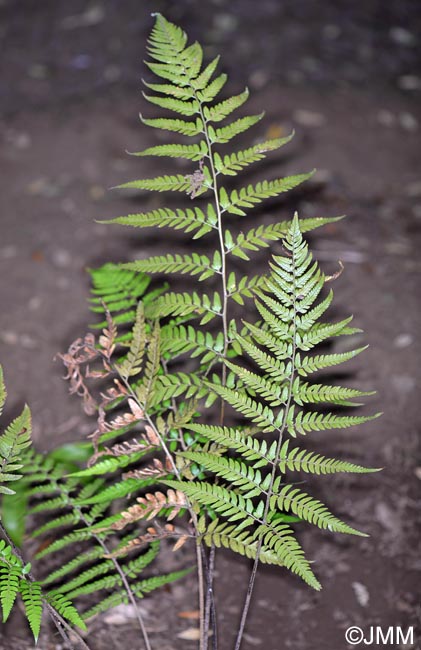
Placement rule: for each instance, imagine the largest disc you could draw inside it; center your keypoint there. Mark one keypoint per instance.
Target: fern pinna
(15, 576)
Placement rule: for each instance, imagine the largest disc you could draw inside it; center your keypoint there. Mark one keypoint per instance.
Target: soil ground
(345, 76)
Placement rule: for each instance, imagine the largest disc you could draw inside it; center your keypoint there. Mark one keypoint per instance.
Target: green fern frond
(248, 196)
(3, 392)
(189, 220)
(232, 163)
(321, 332)
(227, 133)
(305, 422)
(306, 365)
(194, 264)
(300, 460)
(67, 611)
(260, 237)
(305, 393)
(291, 498)
(13, 442)
(226, 502)
(250, 448)
(183, 107)
(173, 385)
(9, 588)
(116, 491)
(239, 541)
(188, 152)
(245, 287)
(144, 587)
(189, 128)
(241, 402)
(240, 475)
(32, 599)
(179, 339)
(184, 304)
(208, 93)
(70, 519)
(220, 111)
(280, 539)
(86, 557)
(178, 183)
(107, 466)
(119, 290)
(72, 538)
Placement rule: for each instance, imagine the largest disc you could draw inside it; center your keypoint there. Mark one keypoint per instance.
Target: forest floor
(347, 84)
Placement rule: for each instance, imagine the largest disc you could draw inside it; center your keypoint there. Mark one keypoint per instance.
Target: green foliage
(15, 439)
(246, 479)
(164, 357)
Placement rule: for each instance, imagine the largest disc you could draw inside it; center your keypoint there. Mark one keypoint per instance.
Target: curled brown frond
(151, 505)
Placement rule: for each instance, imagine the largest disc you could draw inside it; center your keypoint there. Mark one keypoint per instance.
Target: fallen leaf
(193, 613)
(180, 542)
(191, 634)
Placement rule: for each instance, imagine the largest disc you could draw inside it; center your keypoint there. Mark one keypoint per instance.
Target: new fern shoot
(202, 397)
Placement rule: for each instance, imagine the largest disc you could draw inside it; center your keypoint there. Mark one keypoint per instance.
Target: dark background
(347, 77)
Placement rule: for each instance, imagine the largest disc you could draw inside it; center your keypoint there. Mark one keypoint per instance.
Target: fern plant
(15, 576)
(201, 396)
(234, 475)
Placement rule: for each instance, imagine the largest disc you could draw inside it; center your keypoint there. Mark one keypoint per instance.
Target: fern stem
(125, 582)
(62, 626)
(281, 430)
(118, 569)
(224, 316)
(193, 516)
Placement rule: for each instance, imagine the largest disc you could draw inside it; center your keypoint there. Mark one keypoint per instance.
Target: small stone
(403, 383)
(37, 71)
(27, 342)
(386, 118)
(252, 640)
(61, 258)
(9, 338)
(331, 32)
(309, 118)
(408, 122)
(81, 62)
(258, 79)
(225, 22)
(361, 593)
(417, 472)
(112, 73)
(8, 252)
(121, 615)
(322, 177)
(386, 517)
(96, 192)
(402, 36)
(413, 190)
(409, 82)
(34, 303)
(63, 282)
(403, 340)
(92, 16)
(19, 139)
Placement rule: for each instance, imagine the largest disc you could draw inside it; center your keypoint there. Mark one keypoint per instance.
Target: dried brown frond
(107, 340)
(80, 352)
(153, 533)
(150, 506)
(156, 469)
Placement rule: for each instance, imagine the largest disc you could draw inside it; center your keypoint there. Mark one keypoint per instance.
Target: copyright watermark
(376, 635)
